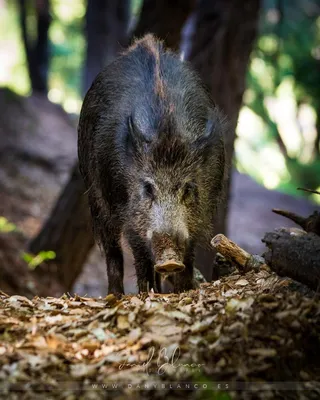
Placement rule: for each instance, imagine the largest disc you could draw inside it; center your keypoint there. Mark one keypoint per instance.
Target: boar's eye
(148, 189)
(190, 189)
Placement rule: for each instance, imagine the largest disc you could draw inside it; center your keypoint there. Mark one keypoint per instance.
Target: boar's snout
(168, 252)
(169, 262)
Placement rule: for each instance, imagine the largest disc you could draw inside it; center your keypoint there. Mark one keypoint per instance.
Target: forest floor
(251, 336)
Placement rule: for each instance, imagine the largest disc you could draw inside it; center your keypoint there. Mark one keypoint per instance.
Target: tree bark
(107, 24)
(223, 35)
(37, 52)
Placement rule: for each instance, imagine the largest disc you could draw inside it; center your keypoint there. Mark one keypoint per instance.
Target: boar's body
(151, 154)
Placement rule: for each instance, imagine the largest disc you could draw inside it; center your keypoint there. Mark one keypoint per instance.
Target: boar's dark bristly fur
(151, 153)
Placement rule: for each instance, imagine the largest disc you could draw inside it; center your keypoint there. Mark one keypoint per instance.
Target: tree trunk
(223, 35)
(165, 19)
(71, 207)
(37, 52)
(223, 38)
(106, 30)
(69, 237)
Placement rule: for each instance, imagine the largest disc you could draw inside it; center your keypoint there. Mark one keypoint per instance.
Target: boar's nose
(169, 262)
(169, 266)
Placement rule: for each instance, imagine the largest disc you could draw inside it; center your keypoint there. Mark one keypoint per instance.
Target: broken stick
(232, 252)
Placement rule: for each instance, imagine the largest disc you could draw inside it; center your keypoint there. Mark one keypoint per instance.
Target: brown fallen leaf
(264, 353)
(94, 304)
(83, 370)
(137, 302)
(22, 299)
(122, 322)
(236, 304)
(162, 328)
(242, 282)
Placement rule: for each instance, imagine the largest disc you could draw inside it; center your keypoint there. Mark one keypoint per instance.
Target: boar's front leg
(109, 238)
(143, 264)
(114, 259)
(184, 280)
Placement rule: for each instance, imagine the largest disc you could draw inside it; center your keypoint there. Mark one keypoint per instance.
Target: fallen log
(294, 253)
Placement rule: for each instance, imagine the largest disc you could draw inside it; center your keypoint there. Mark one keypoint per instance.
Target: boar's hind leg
(184, 280)
(143, 264)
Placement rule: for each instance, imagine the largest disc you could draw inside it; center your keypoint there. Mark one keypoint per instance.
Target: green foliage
(13, 72)
(6, 226)
(282, 84)
(136, 6)
(67, 53)
(33, 261)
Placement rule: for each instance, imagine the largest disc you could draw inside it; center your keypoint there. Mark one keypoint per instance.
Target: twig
(309, 224)
(298, 219)
(309, 190)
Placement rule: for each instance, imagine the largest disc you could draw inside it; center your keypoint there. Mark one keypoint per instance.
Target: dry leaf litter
(249, 328)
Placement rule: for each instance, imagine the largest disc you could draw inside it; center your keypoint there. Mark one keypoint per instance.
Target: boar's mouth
(169, 267)
(169, 263)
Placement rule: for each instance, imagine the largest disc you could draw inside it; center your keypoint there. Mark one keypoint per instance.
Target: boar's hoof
(169, 266)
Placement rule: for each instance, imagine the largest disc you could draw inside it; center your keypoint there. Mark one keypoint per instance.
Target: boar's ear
(211, 140)
(135, 138)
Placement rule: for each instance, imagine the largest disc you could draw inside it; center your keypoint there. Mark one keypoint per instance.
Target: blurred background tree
(279, 126)
(36, 46)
